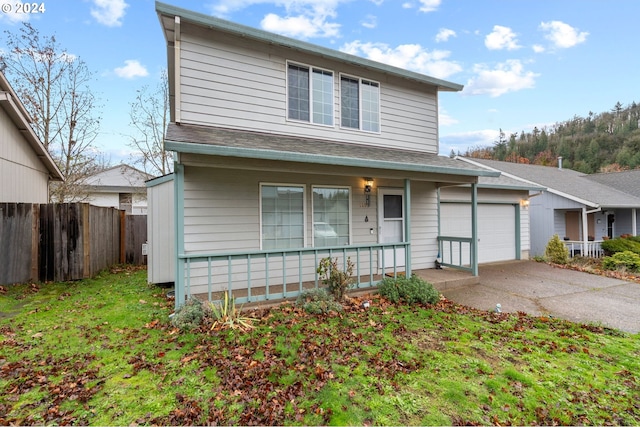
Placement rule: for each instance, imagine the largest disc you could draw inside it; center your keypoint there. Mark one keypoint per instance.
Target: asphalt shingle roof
(626, 181)
(237, 143)
(567, 181)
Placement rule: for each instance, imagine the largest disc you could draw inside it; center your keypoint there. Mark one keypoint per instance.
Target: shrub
(626, 260)
(337, 280)
(318, 301)
(556, 251)
(189, 316)
(227, 316)
(408, 290)
(620, 244)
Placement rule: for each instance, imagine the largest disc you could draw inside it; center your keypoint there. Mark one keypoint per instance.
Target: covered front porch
(254, 216)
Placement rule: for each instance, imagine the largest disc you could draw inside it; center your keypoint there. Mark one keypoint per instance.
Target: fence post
(123, 238)
(86, 241)
(35, 240)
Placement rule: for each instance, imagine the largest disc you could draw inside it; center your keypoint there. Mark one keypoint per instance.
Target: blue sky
(523, 63)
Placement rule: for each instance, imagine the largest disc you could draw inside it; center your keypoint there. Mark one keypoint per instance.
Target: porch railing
(456, 252)
(592, 249)
(253, 276)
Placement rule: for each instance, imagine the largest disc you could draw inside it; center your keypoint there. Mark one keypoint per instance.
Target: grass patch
(103, 352)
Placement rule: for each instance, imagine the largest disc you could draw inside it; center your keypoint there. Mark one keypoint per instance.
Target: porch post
(178, 170)
(407, 226)
(474, 229)
(585, 232)
(518, 233)
(634, 222)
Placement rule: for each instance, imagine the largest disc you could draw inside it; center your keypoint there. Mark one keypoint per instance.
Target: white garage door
(496, 229)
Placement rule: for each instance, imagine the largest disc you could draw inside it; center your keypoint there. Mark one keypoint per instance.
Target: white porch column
(634, 222)
(585, 232)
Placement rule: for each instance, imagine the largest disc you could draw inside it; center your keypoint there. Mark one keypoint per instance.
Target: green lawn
(103, 352)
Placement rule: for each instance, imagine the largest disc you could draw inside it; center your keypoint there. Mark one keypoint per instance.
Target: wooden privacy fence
(66, 241)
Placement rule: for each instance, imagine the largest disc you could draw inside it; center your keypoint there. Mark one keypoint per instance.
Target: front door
(391, 226)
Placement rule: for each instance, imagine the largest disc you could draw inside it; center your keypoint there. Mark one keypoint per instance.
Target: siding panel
(232, 83)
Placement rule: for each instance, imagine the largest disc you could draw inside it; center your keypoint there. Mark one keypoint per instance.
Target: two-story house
(287, 152)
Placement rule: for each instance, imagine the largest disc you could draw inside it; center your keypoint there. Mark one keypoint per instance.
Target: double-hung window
(310, 94)
(360, 104)
(331, 216)
(282, 216)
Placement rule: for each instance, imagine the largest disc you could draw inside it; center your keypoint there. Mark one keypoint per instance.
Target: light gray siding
(232, 83)
(161, 233)
(222, 214)
(547, 214)
(23, 177)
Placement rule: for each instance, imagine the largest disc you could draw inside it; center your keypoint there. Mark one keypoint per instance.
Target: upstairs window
(360, 104)
(310, 94)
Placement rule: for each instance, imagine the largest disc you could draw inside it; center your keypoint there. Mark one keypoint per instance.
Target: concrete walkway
(540, 289)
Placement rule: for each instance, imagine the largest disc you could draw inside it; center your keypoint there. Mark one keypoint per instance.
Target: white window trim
(333, 90)
(360, 79)
(313, 210)
(304, 207)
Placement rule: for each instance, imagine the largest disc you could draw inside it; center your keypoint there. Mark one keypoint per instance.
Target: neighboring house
(274, 136)
(625, 181)
(577, 207)
(26, 168)
(122, 187)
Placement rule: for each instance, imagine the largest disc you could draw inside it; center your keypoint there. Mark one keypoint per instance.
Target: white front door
(391, 226)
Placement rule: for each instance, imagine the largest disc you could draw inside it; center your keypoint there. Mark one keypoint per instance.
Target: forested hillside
(604, 142)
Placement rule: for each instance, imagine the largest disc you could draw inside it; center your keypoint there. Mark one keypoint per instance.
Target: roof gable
(121, 176)
(20, 117)
(167, 14)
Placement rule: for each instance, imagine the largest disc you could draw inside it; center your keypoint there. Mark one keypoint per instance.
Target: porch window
(359, 104)
(331, 216)
(282, 215)
(310, 94)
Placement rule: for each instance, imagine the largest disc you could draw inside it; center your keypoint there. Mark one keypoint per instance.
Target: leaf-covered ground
(102, 351)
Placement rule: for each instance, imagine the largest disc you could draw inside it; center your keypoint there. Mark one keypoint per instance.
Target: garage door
(496, 229)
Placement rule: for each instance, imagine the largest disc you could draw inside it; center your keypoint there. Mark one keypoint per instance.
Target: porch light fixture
(368, 184)
(524, 203)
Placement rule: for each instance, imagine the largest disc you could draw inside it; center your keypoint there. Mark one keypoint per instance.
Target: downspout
(407, 226)
(178, 204)
(176, 63)
(474, 229)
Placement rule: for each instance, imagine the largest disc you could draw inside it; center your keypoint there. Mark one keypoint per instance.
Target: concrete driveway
(540, 289)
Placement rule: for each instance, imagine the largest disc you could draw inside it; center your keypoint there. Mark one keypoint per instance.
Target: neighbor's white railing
(593, 248)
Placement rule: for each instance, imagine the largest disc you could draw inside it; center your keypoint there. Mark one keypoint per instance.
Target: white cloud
(370, 21)
(562, 35)
(377, 2)
(508, 76)
(429, 5)
(10, 15)
(301, 18)
(425, 6)
(501, 38)
(463, 141)
(109, 12)
(444, 119)
(131, 70)
(444, 34)
(409, 56)
(300, 26)
(538, 48)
